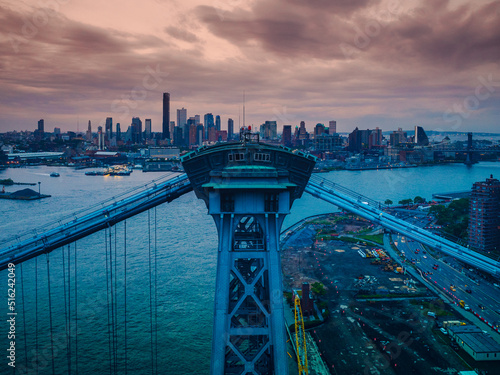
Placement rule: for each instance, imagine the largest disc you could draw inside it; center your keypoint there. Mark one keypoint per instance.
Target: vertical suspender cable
(156, 300)
(24, 319)
(112, 302)
(66, 308)
(107, 299)
(116, 302)
(50, 315)
(69, 308)
(125, 288)
(36, 315)
(150, 292)
(76, 312)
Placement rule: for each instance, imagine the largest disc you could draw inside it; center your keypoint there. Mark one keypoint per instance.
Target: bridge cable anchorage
(36, 315)
(50, 315)
(125, 289)
(24, 319)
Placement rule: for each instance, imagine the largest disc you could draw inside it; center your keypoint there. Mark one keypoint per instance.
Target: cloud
(181, 34)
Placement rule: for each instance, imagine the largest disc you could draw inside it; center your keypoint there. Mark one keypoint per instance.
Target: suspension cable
(156, 299)
(50, 314)
(125, 288)
(107, 299)
(76, 312)
(112, 302)
(36, 315)
(69, 308)
(150, 292)
(24, 319)
(65, 307)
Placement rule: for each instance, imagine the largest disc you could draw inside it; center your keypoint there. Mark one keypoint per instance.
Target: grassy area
(378, 238)
(348, 239)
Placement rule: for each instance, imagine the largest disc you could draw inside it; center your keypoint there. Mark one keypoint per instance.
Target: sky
(364, 63)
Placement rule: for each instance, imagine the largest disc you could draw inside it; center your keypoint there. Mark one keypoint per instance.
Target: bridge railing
(78, 215)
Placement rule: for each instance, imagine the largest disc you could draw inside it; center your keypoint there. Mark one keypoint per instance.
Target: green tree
(419, 199)
(318, 289)
(388, 202)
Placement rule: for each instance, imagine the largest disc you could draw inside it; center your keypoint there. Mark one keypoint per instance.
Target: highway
(483, 297)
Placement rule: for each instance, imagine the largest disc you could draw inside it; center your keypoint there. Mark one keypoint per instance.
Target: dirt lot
(378, 320)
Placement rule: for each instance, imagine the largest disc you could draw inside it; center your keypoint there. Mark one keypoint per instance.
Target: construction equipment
(300, 339)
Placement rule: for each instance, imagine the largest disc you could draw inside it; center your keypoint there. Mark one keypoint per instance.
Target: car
(468, 290)
(481, 307)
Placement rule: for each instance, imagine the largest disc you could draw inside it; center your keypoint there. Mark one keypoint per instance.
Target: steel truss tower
(249, 188)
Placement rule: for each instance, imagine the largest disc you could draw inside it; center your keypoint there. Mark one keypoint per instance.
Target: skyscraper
(136, 129)
(41, 126)
(118, 132)
(230, 129)
(484, 219)
(181, 117)
(286, 137)
(332, 128)
(208, 121)
(217, 123)
(109, 128)
(147, 128)
(89, 132)
(420, 136)
(166, 116)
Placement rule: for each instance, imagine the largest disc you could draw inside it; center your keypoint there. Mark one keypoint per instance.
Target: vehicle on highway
(468, 290)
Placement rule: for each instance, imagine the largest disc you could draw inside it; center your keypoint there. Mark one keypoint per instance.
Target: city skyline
(385, 64)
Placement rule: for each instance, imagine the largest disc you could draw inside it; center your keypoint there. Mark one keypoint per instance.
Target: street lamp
(39, 188)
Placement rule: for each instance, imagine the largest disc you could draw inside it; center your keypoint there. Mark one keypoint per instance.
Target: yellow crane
(300, 338)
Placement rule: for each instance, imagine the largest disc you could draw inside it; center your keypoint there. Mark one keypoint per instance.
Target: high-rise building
(190, 132)
(332, 128)
(118, 132)
(147, 128)
(197, 119)
(41, 126)
(375, 138)
(319, 129)
(166, 116)
(136, 130)
(208, 121)
(171, 129)
(181, 117)
(40, 132)
(217, 123)
(109, 128)
(230, 129)
(268, 130)
(397, 137)
(286, 137)
(199, 134)
(420, 136)
(484, 215)
(359, 140)
(100, 138)
(88, 135)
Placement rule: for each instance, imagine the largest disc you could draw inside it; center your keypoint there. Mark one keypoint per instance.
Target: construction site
(370, 317)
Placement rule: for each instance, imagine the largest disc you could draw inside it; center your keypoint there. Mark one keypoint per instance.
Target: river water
(180, 236)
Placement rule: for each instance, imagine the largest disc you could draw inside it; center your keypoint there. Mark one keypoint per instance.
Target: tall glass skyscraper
(166, 116)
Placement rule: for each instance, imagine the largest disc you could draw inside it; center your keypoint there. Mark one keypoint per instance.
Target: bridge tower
(248, 188)
(469, 159)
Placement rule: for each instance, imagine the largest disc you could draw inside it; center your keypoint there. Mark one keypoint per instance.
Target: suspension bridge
(248, 188)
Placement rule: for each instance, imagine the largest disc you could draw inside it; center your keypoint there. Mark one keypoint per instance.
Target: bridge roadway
(372, 210)
(78, 227)
(173, 188)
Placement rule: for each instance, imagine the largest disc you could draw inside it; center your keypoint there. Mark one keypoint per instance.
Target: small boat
(54, 174)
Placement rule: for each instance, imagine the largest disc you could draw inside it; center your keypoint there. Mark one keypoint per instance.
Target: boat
(54, 174)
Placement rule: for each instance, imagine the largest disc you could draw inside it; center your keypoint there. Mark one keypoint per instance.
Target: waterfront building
(484, 219)
(375, 138)
(420, 136)
(359, 140)
(166, 116)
